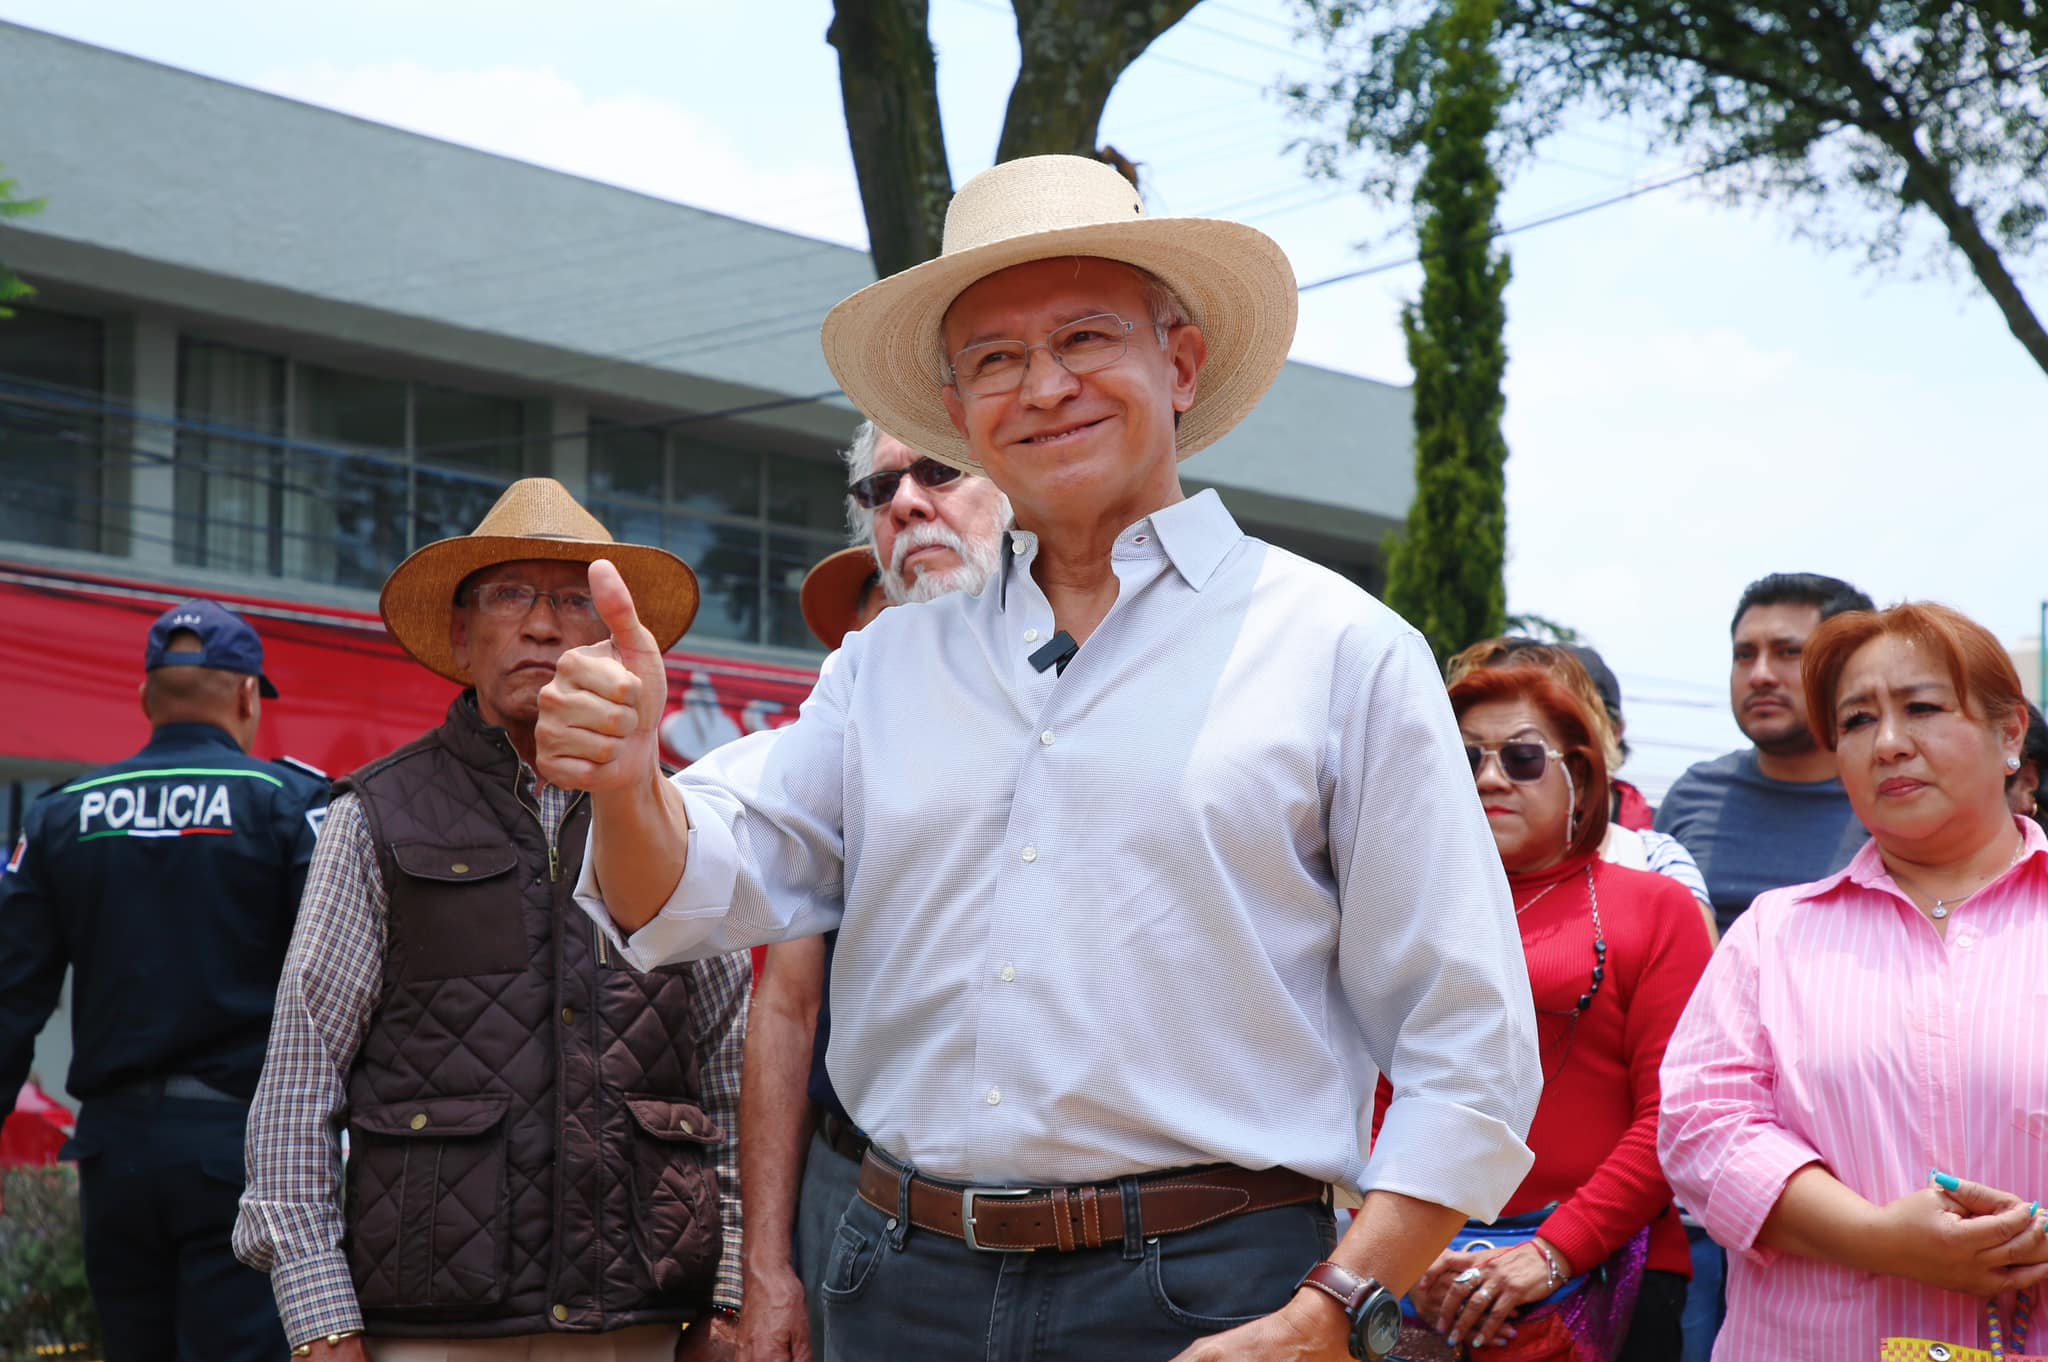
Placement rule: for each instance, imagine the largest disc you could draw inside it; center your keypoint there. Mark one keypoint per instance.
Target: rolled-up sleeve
(1722, 1146)
(1430, 962)
(766, 844)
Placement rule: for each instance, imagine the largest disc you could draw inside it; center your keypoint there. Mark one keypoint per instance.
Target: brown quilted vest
(528, 1147)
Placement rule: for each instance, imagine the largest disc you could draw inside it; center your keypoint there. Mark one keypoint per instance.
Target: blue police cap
(226, 642)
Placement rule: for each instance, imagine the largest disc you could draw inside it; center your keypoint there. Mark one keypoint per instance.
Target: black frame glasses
(1523, 760)
(879, 489)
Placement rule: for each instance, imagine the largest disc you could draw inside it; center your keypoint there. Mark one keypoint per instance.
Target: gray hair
(860, 461)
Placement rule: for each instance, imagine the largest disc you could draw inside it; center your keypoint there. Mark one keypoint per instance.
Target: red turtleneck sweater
(1595, 1134)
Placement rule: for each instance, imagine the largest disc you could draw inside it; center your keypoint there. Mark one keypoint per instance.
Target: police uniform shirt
(169, 883)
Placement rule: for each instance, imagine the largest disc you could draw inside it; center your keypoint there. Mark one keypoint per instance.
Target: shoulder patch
(20, 850)
(314, 818)
(306, 767)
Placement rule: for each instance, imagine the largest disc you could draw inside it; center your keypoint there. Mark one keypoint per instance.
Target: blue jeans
(830, 1182)
(893, 1292)
(1706, 1302)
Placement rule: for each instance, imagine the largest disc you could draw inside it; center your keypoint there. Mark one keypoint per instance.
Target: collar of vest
(484, 746)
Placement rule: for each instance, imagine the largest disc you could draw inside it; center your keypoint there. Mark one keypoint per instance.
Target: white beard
(979, 559)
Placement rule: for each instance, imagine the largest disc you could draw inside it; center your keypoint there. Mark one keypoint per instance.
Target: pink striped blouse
(1835, 1024)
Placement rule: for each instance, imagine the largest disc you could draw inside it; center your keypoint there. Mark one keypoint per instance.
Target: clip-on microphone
(1057, 652)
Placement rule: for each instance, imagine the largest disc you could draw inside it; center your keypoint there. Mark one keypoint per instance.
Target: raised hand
(600, 716)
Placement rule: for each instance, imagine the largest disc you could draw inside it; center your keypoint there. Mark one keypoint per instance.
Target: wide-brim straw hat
(535, 518)
(884, 346)
(833, 591)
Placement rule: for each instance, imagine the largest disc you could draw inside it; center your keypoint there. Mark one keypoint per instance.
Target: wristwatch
(1374, 1313)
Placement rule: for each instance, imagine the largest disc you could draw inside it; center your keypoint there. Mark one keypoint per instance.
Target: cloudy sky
(1695, 395)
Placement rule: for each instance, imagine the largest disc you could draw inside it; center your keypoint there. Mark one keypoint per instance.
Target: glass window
(716, 480)
(345, 519)
(479, 440)
(790, 559)
(625, 461)
(807, 492)
(52, 461)
(229, 482)
(727, 560)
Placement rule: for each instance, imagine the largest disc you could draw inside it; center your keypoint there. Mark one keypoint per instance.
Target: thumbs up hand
(600, 716)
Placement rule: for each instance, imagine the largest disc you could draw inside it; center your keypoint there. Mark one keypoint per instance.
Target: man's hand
(1959, 1242)
(601, 715)
(711, 1340)
(1309, 1328)
(775, 1326)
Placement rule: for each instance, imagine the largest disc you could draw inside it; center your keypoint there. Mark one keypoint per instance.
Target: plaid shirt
(291, 1221)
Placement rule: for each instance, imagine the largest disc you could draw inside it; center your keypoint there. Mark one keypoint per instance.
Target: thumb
(615, 607)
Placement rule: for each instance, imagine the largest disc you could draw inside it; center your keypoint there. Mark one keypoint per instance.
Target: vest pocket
(427, 1204)
(453, 912)
(674, 1191)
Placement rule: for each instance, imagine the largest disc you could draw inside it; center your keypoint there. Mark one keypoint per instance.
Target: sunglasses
(879, 489)
(1522, 762)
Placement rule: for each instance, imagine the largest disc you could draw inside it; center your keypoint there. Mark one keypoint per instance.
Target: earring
(2012, 763)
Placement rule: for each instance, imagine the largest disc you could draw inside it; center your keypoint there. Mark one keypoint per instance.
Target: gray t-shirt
(1751, 833)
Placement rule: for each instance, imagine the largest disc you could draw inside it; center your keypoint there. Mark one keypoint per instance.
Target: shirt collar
(1866, 868)
(1196, 535)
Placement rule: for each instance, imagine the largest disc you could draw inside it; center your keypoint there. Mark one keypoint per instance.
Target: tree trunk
(1073, 51)
(889, 85)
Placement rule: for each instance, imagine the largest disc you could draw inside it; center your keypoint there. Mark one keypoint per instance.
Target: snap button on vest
(419, 1121)
(458, 869)
(561, 1312)
(569, 1016)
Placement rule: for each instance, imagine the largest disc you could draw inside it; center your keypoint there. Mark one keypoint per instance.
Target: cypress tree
(1444, 572)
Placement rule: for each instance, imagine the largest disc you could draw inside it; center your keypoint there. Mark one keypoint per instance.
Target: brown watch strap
(1340, 1284)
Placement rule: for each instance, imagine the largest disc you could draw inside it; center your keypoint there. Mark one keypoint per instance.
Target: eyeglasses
(879, 489)
(1079, 347)
(512, 600)
(1522, 762)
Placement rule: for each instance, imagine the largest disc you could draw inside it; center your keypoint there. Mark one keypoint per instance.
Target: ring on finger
(1467, 1277)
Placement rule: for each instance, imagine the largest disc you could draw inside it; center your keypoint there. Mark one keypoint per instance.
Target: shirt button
(1030, 854)
(1017, 547)
(1008, 974)
(995, 1097)
(1031, 636)
(1964, 943)
(1045, 738)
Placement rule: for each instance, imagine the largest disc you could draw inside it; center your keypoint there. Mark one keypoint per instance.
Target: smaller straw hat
(883, 343)
(535, 518)
(833, 591)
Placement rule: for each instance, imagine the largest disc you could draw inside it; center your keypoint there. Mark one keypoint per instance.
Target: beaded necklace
(1585, 1002)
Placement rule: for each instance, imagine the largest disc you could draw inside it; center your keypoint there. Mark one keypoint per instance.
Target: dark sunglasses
(879, 489)
(1521, 762)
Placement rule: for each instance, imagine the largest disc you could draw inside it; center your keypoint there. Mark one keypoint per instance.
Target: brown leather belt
(1021, 1219)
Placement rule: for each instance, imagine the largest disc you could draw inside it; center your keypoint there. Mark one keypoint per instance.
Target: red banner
(347, 692)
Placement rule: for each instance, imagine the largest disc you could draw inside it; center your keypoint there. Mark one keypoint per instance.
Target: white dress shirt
(1179, 905)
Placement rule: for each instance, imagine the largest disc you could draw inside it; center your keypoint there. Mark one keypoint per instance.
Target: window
(304, 471)
(751, 524)
(52, 461)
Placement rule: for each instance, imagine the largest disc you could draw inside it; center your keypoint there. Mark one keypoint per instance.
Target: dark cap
(226, 642)
(1603, 677)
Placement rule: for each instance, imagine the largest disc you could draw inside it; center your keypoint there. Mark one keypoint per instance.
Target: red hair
(1567, 717)
(1986, 682)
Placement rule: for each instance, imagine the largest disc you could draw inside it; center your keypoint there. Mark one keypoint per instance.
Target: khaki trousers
(645, 1343)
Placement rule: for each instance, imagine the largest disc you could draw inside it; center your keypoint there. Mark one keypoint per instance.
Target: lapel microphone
(1057, 652)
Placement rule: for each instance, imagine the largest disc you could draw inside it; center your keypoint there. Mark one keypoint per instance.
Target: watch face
(1379, 1324)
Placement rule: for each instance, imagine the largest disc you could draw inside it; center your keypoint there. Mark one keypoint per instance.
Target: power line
(1530, 226)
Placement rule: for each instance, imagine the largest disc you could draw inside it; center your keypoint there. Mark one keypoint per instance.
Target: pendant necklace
(1943, 907)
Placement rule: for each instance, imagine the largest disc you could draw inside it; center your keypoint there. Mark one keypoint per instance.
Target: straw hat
(833, 592)
(535, 518)
(884, 346)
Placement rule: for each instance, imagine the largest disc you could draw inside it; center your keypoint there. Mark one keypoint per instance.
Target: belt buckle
(970, 1195)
